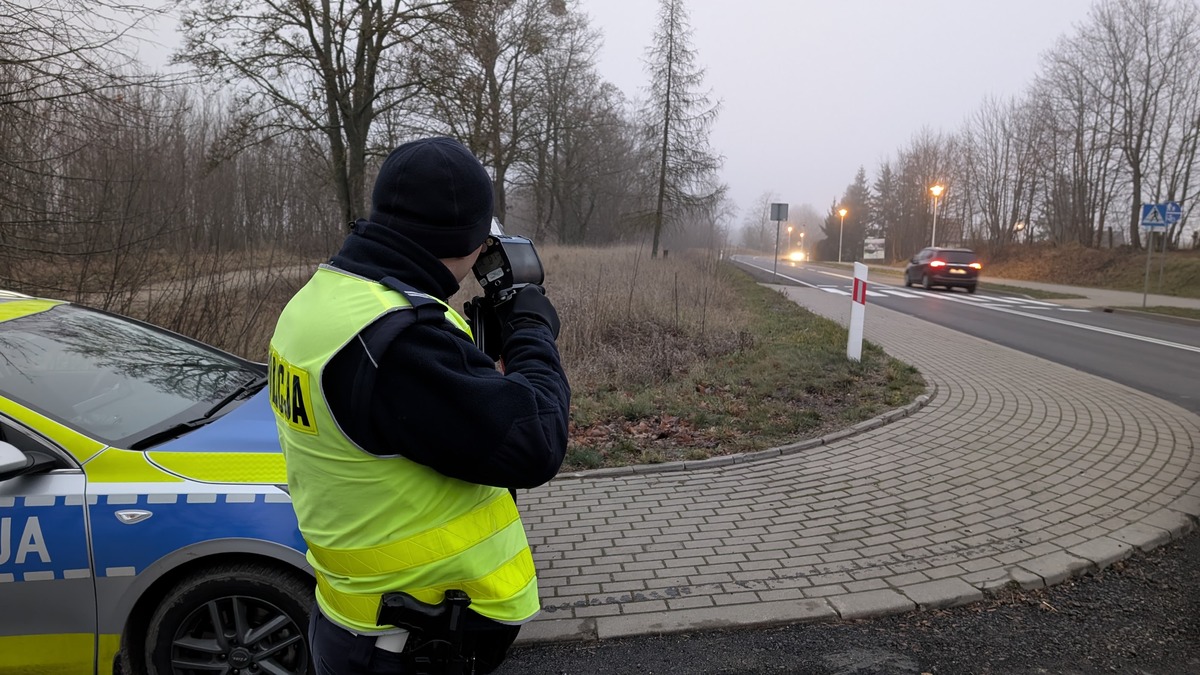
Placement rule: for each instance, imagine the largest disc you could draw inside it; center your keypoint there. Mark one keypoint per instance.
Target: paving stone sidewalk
(1016, 470)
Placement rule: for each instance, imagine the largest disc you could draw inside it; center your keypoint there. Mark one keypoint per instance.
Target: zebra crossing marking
(983, 301)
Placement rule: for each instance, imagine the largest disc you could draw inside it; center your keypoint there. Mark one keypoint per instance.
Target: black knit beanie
(437, 194)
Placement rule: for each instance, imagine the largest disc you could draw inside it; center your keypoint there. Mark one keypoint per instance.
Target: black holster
(435, 641)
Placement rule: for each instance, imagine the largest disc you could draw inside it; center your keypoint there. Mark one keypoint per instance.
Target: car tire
(907, 281)
(971, 288)
(925, 283)
(182, 627)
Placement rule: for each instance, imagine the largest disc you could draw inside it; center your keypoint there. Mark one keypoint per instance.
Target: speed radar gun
(506, 265)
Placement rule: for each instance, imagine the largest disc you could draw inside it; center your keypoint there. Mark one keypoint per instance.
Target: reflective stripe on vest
(375, 525)
(516, 573)
(456, 536)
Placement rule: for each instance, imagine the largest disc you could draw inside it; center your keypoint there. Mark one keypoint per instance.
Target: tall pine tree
(677, 117)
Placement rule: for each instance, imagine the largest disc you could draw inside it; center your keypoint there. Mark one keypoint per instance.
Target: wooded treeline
(267, 136)
(1110, 121)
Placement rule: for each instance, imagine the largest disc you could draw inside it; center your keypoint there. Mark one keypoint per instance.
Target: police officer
(402, 439)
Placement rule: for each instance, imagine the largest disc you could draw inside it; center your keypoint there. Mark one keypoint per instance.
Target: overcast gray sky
(813, 90)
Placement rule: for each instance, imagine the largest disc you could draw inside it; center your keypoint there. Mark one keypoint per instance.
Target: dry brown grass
(632, 321)
(230, 300)
(1178, 273)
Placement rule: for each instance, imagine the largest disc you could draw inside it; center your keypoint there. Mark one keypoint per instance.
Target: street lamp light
(936, 190)
(842, 213)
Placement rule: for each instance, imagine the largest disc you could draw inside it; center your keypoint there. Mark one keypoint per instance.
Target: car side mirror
(15, 463)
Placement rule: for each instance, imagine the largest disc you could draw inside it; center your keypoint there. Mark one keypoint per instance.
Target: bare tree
(677, 117)
(581, 140)
(928, 160)
(1000, 143)
(482, 77)
(1129, 57)
(309, 66)
(63, 50)
(65, 80)
(1176, 162)
(758, 230)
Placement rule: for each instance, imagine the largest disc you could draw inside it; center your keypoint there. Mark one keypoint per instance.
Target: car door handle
(132, 516)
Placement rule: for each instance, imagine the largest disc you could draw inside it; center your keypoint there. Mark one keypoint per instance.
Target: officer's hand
(530, 305)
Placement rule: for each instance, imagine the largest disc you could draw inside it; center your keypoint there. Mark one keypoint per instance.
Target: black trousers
(337, 651)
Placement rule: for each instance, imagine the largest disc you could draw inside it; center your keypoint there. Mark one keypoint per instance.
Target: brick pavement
(1015, 470)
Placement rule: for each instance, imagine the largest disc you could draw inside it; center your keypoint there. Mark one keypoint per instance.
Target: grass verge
(788, 379)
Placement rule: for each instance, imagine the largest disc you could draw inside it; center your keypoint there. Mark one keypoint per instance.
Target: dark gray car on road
(946, 267)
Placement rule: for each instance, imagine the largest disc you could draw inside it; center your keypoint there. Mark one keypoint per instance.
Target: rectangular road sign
(1172, 212)
(1153, 218)
(779, 211)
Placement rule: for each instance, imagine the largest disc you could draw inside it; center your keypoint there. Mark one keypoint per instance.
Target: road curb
(770, 453)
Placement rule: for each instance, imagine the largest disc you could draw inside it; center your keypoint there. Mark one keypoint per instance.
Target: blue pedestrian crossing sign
(1154, 217)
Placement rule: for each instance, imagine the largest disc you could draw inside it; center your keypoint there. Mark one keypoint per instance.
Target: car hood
(250, 427)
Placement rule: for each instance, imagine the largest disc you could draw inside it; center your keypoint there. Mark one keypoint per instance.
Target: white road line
(1083, 326)
(1021, 301)
(836, 291)
(784, 276)
(1006, 310)
(901, 294)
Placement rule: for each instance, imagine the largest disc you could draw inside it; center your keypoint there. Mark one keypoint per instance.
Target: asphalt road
(1158, 357)
(1139, 616)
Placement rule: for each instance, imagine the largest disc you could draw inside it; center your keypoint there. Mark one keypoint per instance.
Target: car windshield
(957, 256)
(112, 379)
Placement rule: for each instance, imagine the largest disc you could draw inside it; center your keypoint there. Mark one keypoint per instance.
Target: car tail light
(937, 263)
(976, 266)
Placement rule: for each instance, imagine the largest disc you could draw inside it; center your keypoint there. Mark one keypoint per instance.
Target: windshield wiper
(176, 430)
(167, 434)
(252, 385)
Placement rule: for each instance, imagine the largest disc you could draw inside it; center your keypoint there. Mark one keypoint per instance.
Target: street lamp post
(937, 192)
(842, 213)
(789, 239)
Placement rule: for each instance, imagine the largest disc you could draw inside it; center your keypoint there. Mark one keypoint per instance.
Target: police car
(145, 524)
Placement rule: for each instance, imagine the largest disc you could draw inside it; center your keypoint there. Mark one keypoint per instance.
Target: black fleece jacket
(431, 396)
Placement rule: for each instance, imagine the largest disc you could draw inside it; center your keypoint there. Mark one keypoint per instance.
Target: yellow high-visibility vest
(373, 524)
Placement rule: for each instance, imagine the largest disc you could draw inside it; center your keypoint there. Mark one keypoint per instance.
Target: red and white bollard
(858, 311)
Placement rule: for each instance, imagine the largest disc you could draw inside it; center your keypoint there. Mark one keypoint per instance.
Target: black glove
(529, 305)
